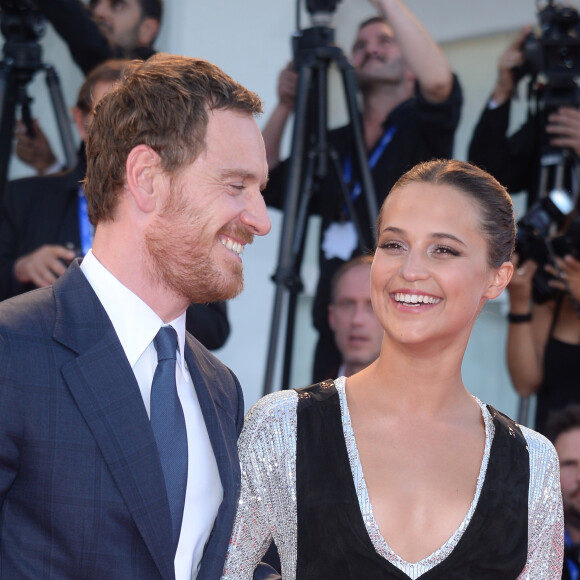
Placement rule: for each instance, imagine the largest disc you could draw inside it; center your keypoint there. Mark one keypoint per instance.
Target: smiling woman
(398, 471)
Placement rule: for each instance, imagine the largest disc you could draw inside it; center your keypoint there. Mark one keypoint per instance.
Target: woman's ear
(500, 280)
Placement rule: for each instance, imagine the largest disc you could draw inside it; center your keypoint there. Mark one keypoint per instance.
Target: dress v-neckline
(412, 569)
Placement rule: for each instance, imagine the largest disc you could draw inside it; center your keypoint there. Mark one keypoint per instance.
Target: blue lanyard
(373, 160)
(572, 566)
(86, 229)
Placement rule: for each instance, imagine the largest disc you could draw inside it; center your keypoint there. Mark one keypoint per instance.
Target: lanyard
(572, 566)
(85, 227)
(373, 160)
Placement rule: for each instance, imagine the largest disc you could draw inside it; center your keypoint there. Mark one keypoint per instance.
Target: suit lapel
(106, 392)
(220, 424)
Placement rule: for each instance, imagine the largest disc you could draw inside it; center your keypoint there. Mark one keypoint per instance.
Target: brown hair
(365, 260)
(162, 103)
(496, 215)
(561, 421)
(109, 71)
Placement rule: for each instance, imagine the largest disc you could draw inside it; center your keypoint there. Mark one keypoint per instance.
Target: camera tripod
(311, 159)
(22, 60)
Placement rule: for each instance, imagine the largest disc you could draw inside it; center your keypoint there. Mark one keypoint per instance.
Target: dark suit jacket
(82, 493)
(44, 210)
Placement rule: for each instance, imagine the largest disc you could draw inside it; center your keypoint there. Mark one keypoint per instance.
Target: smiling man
(122, 462)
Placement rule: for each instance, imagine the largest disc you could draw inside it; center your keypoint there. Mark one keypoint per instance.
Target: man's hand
(568, 277)
(512, 57)
(43, 266)
(520, 286)
(34, 151)
(287, 86)
(564, 126)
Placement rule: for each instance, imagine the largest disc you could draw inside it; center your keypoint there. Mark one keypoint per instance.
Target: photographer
(510, 158)
(105, 28)
(543, 346)
(411, 104)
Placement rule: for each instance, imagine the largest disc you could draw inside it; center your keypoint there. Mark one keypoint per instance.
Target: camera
(555, 51)
(21, 21)
(535, 238)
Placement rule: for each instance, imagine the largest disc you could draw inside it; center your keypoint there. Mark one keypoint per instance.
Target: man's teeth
(234, 246)
(416, 298)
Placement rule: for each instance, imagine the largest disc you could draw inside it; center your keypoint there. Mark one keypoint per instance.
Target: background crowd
(471, 41)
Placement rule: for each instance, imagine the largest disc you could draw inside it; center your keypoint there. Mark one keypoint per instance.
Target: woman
(544, 333)
(397, 471)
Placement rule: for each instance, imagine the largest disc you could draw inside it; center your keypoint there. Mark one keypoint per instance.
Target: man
(89, 486)
(44, 223)
(410, 109)
(357, 332)
(563, 430)
(107, 29)
(515, 159)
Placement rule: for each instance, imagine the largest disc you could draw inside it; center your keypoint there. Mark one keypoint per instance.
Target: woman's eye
(446, 250)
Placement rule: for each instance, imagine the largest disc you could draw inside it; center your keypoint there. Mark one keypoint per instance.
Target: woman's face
(430, 275)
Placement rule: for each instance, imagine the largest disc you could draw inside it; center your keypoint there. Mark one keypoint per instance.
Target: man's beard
(181, 260)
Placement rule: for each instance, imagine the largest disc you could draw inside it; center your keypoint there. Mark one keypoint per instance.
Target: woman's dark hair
(496, 215)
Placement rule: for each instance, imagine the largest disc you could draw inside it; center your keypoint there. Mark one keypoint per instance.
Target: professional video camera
(553, 53)
(536, 239)
(20, 20)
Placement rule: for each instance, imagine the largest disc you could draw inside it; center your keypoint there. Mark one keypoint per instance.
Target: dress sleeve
(545, 512)
(267, 506)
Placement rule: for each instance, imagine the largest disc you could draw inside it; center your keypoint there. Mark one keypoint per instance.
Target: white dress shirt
(136, 325)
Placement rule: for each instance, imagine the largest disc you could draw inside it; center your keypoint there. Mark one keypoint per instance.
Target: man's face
(211, 210)
(121, 21)
(568, 448)
(376, 56)
(357, 332)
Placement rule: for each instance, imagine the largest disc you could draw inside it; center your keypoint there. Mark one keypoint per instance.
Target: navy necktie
(168, 424)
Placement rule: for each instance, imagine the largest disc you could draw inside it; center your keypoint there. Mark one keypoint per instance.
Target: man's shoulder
(29, 313)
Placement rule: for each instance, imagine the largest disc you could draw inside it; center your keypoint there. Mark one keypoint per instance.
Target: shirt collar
(135, 323)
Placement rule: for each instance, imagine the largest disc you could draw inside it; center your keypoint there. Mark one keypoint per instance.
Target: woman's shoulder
(270, 413)
(539, 447)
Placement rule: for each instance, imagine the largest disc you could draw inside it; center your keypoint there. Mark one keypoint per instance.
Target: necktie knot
(166, 343)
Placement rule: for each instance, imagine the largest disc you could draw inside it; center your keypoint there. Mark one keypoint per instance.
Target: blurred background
(251, 41)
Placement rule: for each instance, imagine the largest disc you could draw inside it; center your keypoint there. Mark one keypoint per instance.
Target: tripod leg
(350, 90)
(287, 260)
(8, 92)
(61, 115)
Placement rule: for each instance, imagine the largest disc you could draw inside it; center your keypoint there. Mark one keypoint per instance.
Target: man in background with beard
(563, 430)
(118, 429)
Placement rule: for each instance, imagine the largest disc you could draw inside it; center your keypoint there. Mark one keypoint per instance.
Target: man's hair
(163, 103)
(373, 20)
(152, 8)
(149, 8)
(561, 421)
(365, 260)
(109, 71)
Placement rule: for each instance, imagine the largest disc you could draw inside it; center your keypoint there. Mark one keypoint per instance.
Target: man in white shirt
(176, 165)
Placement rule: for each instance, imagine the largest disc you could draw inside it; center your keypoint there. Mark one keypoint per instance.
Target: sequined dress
(268, 510)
